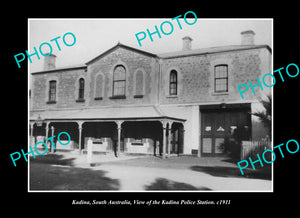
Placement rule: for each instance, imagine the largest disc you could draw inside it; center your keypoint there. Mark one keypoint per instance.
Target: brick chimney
(186, 43)
(49, 62)
(248, 37)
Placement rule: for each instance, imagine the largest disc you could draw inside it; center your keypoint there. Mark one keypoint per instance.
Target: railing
(252, 148)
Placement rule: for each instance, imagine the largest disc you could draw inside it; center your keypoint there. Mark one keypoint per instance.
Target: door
(213, 133)
(177, 138)
(218, 126)
(207, 133)
(218, 132)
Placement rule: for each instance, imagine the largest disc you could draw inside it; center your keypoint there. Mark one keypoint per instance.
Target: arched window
(119, 81)
(99, 83)
(52, 91)
(173, 82)
(139, 84)
(81, 89)
(221, 78)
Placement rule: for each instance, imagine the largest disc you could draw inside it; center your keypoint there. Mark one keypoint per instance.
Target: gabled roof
(119, 45)
(167, 55)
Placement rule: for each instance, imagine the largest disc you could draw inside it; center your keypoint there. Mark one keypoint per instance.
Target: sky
(95, 36)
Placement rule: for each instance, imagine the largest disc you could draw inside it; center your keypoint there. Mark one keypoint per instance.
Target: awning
(104, 113)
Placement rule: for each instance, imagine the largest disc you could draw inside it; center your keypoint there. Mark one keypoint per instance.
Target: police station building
(183, 102)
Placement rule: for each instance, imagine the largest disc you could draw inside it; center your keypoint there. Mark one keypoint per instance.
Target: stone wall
(141, 71)
(66, 89)
(196, 76)
(141, 82)
(195, 79)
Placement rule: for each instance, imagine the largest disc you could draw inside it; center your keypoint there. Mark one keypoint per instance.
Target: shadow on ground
(165, 184)
(53, 172)
(220, 171)
(52, 159)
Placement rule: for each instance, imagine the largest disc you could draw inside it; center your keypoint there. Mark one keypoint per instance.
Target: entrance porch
(157, 135)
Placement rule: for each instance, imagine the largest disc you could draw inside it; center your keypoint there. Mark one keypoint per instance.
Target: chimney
(248, 37)
(49, 62)
(186, 43)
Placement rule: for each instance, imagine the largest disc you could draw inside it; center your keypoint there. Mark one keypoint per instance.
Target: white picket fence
(252, 148)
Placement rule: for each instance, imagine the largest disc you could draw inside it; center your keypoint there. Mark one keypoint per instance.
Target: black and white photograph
(175, 108)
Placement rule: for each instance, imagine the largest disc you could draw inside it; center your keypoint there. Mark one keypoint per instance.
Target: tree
(266, 116)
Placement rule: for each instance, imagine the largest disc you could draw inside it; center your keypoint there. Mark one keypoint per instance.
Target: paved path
(135, 173)
(140, 178)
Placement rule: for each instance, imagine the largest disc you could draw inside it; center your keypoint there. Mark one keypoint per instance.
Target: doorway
(218, 128)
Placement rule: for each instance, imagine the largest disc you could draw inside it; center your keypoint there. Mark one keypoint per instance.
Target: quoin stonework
(133, 101)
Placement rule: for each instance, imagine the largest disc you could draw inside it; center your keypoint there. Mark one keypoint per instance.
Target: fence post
(242, 151)
(89, 151)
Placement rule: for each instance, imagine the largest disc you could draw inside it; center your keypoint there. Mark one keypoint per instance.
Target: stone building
(127, 99)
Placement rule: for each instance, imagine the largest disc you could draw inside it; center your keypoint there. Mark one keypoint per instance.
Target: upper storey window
(119, 81)
(52, 91)
(221, 78)
(80, 90)
(173, 83)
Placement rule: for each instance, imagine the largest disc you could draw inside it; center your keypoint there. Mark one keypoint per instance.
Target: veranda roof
(104, 113)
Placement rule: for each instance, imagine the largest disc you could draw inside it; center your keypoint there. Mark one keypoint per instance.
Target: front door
(218, 126)
(177, 138)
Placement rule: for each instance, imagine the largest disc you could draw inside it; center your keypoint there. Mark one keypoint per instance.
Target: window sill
(220, 93)
(51, 102)
(172, 96)
(98, 98)
(138, 96)
(80, 100)
(118, 97)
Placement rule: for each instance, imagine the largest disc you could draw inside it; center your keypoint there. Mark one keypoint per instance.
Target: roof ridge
(209, 50)
(67, 67)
